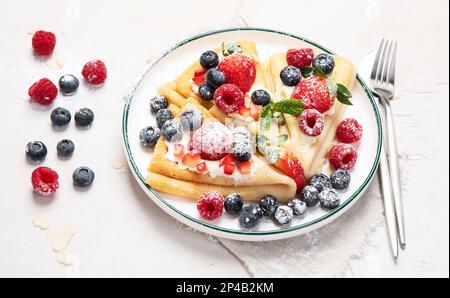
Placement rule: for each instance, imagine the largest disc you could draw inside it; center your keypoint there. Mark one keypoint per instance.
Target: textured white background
(121, 232)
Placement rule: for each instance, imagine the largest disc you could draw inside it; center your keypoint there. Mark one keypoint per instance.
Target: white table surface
(121, 232)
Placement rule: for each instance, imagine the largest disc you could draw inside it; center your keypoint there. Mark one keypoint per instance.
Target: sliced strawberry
(245, 167)
(199, 76)
(292, 167)
(254, 111)
(202, 168)
(191, 160)
(244, 112)
(227, 159)
(229, 168)
(179, 150)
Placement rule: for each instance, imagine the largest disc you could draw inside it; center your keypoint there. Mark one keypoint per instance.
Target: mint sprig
(287, 106)
(343, 95)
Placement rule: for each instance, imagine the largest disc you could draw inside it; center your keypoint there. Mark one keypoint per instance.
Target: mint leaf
(288, 106)
(318, 72)
(266, 120)
(307, 71)
(282, 139)
(343, 90)
(264, 111)
(343, 99)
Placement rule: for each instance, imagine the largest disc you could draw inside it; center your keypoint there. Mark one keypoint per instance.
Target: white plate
(136, 115)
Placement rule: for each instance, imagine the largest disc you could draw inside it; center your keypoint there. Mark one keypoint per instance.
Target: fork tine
(382, 66)
(376, 63)
(387, 62)
(391, 75)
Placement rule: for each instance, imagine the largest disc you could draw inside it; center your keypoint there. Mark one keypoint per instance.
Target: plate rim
(328, 217)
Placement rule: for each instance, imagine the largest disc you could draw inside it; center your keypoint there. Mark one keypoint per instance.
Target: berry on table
(314, 93)
(268, 204)
(83, 177)
(36, 151)
(298, 206)
(311, 122)
(260, 97)
(157, 103)
(43, 42)
(239, 69)
(320, 181)
(205, 91)
(68, 84)
(283, 215)
(290, 75)
(172, 130)
(43, 92)
(324, 62)
(233, 203)
(215, 78)
(300, 57)
(65, 148)
(84, 117)
(349, 131)
(210, 205)
(209, 59)
(191, 119)
(343, 156)
(44, 181)
(148, 137)
(250, 216)
(60, 116)
(340, 179)
(95, 72)
(162, 116)
(329, 198)
(229, 98)
(310, 195)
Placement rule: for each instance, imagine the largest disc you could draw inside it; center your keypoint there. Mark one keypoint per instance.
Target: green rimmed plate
(136, 115)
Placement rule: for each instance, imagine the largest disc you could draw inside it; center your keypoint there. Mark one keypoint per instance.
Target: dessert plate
(136, 115)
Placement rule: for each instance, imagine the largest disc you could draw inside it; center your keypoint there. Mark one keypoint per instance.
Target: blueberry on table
(205, 91)
(36, 151)
(157, 103)
(290, 76)
(250, 216)
(329, 198)
(233, 203)
(215, 78)
(83, 177)
(209, 59)
(162, 116)
(299, 207)
(320, 181)
(172, 130)
(60, 116)
(260, 97)
(324, 62)
(68, 84)
(84, 117)
(283, 215)
(191, 119)
(340, 179)
(268, 205)
(310, 195)
(149, 136)
(65, 148)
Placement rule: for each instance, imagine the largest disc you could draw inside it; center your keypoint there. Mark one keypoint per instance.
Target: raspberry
(342, 156)
(43, 92)
(43, 43)
(44, 181)
(292, 167)
(311, 122)
(239, 69)
(314, 93)
(210, 205)
(349, 131)
(95, 72)
(229, 98)
(300, 57)
(213, 140)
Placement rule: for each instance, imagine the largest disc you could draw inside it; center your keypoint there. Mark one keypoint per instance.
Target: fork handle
(392, 154)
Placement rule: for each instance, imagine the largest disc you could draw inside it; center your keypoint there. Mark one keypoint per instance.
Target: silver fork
(383, 83)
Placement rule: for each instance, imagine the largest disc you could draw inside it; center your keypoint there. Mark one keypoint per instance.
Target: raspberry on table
(311, 122)
(213, 140)
(95, 72)
(43, 42)
(210, 205)
(343, 156)
(44, 181)
(229, 98)
(239, 69)
(314, 93)
(300, 57)
(43, 92)
(349, 131)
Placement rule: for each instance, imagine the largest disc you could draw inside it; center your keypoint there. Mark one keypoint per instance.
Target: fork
(383, 84)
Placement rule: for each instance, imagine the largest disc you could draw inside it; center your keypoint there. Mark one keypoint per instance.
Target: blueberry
(340, 179)
(329, 198)
(162, 116)
(209, 59)
(268, 204)
(250, 216)
(172, 130)
(84, 117)
(36, 151)
(299, 207)
(83, 177)
(65, 148)
(320, 181)
(290, 76)
(261, 97)
(157, 103)
(215, 78)
(233, 203)
(241, 134)
(283, 215)
(324, 62)
(149, 136)
(242, 151)
(60, 116)
(191, 119)
(68, 84)
(206, 91)
(310, 195)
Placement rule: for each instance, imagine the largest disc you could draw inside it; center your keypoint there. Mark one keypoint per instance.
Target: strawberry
(191, 160)
(229, 168)
(244, 167)
(199, 76)
(227, 159)
(314, 93)
(178, 150)
(202, 168)
(292, 167)
(252, 111)
(239, 69)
